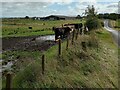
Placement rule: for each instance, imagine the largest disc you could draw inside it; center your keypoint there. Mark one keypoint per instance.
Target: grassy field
(20, 27)
(118, 22)
(115, 24)
(97, 67)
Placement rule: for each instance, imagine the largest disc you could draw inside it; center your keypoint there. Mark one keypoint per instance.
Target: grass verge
(95, 67)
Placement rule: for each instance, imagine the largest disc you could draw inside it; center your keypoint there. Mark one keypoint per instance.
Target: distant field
(119, 22)
(20, 27)
(115, 24)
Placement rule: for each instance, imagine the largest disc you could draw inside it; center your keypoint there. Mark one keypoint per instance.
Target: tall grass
(75, 68)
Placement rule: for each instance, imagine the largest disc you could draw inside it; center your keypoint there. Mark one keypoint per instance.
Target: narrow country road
(114, 33)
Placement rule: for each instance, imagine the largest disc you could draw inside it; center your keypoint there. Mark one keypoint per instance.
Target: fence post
(8, 81)
(43, 63)
(73, 36)
(77, 34)
(67, 43)
(84, 45)
(81, 31)
(59, 47)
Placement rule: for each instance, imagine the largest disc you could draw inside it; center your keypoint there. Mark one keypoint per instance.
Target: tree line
(113, 16)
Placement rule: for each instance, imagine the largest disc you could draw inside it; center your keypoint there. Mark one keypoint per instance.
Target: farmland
(59, 45)
(75, 68)
(115, 24)
(20, 27)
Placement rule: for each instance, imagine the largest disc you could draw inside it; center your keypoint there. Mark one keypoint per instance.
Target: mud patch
(40, 43)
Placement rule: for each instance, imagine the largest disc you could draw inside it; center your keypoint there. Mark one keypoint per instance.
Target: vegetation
(75, 68)
(20, 27)
(115, 24)
(112, 16)
(92, 21)
(93, 67)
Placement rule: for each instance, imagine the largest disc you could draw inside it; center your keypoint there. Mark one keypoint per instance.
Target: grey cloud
(23, 8)
(110, 6)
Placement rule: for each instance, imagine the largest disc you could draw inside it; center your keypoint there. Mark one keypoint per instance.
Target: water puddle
(1, 60)
(5, 67)
(24, 43)
(49, 37)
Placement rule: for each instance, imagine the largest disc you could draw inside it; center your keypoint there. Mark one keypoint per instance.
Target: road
(115, 33)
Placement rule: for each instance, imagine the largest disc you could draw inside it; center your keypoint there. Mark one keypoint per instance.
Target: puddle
(5, 67)
(49, 37)
(1, 60)
(9, 64)
(25, 43)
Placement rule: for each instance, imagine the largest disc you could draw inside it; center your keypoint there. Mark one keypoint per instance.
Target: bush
(93, 23)
(102, 23)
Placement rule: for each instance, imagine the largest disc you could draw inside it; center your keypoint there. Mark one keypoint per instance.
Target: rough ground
(26, 43)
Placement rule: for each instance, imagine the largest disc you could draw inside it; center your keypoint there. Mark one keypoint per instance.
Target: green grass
(20, 27)
(97, 67)
(115, 24)
(118, 22)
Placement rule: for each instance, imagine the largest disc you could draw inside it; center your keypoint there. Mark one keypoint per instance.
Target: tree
(26, 17)
(92, 21)
(90, 11)
(78, 17)
(113, 16)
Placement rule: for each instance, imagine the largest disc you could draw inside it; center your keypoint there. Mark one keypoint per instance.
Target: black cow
(63, 32)
(76, 25)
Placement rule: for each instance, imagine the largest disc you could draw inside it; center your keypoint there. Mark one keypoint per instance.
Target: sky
(41, 8)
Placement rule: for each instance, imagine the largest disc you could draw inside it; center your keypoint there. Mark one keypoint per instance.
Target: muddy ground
(33, 43)
(27, 43)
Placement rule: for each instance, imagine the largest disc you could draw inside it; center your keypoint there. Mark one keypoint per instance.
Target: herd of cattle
(65, 30)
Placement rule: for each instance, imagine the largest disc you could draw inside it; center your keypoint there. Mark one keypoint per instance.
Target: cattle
(30, 27)
(75, 25)
(85, 29)
(63, 32)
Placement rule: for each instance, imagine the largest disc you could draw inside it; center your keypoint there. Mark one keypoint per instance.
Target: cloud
(112, 5)
(63, 7)
(108, 8)
(23, 8)
(64, 1)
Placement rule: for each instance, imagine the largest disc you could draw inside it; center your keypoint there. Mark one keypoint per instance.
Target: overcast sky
(39, 8)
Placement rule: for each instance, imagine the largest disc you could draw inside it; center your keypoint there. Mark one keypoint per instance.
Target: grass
(20, 27)
(97, 67)
(115, 24)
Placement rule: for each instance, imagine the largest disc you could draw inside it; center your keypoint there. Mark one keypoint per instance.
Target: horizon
(49, 15)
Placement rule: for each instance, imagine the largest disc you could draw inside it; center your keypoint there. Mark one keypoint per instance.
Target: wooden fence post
(84, 45)
(59, 47)
(43, 63)
(73, 34)
(67, 43)
(8, 81)
(77, 34)
(80, 31)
